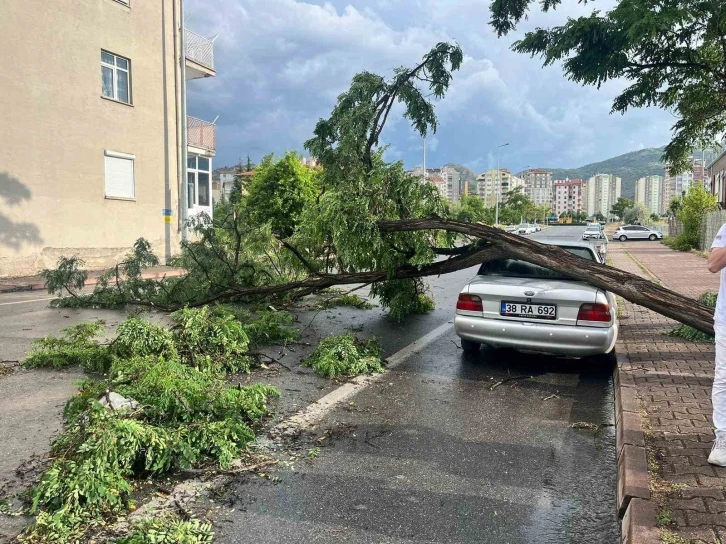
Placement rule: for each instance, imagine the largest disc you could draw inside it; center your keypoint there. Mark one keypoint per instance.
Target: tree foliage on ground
(183, 414)
(673, 54)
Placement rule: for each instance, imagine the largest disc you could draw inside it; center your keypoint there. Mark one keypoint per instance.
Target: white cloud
(282, 63)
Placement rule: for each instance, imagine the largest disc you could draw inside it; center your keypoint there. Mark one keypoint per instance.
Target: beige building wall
(56, 126)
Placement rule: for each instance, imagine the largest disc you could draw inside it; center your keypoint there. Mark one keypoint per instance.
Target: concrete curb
(634, 506)
(34, 285)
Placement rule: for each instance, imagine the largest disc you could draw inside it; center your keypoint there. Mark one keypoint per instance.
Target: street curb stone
(638, 513)
(11, 287)
(638, 525)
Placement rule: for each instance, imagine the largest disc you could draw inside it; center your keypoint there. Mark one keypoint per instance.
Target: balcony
(201, 137)
(199, 56)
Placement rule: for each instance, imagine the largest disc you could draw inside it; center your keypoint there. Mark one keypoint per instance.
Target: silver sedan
(519, 305)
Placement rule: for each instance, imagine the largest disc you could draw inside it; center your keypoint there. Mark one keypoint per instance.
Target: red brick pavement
(673, 378)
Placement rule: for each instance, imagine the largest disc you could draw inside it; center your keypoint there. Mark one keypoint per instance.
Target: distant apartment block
(601, 192)
(649, 191)
(538, 186)
(679, 183)
(92, 109)
(491, 183)
(568, 196)
(716, 172)
(446, 179)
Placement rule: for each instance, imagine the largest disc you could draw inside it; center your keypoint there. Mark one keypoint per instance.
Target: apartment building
(649, 190)
(568, 196)
(447, 180)
(93, 112)
(716, 173)
(493, 182)
(538, 186)
(601, 192)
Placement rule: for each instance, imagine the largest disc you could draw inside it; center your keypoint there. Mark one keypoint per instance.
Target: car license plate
(534, 311)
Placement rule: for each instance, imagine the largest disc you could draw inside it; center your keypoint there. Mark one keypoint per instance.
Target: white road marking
(315, 411)
(26, 301)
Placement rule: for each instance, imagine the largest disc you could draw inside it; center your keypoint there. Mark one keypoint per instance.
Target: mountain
(630, 167)
(465, 174)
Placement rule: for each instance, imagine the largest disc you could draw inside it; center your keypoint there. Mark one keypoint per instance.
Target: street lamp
(499, 184)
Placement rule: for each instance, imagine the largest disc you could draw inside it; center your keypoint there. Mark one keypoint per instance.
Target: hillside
(465, 173)
(630, 167)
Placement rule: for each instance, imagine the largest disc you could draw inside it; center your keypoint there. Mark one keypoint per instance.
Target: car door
(641, 233)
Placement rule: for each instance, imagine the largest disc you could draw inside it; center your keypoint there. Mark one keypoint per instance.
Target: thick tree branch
(629, 286)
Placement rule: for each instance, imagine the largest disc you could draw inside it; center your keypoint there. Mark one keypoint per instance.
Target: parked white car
(526, 228)
(519, 305)
(636, 232)
(593, 232)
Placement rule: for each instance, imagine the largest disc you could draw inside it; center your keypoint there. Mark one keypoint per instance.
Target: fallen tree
(360, 220)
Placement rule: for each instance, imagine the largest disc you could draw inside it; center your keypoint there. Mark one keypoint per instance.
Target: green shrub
(689, 333)
(168, 530)
(345, 355)
(75, 346)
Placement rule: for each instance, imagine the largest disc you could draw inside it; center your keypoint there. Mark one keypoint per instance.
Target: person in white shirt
(717, 263)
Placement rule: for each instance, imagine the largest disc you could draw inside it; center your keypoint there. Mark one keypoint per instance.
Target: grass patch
(664, 518)
(689, 333)
(346, 355)
(669, 537)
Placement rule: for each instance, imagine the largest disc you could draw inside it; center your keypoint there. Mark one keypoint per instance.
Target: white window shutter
(119, 175)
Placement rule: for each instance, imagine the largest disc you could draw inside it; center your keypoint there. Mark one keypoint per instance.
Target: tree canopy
(672, 53)
(622, 204)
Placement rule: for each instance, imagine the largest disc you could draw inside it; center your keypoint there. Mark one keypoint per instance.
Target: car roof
(566, 242)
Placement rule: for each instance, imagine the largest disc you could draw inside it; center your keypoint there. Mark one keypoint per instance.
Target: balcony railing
(199, 49)
(201, 134)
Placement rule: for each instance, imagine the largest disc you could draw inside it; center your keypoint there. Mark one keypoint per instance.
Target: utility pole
(424, 158)
(499, 185)
(183, 193)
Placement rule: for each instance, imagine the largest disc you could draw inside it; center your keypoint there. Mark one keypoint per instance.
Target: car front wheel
(652, 237)
(623, 238)
(470, 347)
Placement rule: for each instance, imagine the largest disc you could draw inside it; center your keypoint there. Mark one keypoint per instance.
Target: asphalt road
(431, 453)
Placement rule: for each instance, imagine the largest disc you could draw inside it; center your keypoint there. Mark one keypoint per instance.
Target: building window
(119, 174)
(199, 174)
(115, 77)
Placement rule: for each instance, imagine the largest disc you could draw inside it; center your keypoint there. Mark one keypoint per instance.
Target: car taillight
(471, 303)
(594, 312)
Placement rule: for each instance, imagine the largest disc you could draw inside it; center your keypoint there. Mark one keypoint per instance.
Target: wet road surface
(433, 452)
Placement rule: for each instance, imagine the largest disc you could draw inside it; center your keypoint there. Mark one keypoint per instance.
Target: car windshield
(510, 268)
(593, 229)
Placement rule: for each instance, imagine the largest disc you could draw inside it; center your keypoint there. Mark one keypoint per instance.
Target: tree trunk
(498, 244)
(629, 286)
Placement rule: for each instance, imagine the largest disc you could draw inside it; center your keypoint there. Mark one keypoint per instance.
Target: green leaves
(279, 191)
(673, 54)
(347, 356)
(76, 346)
(169, 530)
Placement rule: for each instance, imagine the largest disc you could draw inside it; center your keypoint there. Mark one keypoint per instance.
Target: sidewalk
(35, 283)
(672, 380)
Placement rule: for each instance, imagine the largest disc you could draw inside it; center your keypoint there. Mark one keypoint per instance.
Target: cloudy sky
(282, 63)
